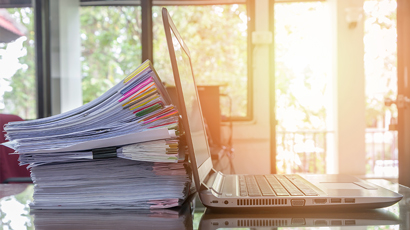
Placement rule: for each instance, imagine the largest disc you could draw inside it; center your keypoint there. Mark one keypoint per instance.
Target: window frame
(43, 49)
(250, 8)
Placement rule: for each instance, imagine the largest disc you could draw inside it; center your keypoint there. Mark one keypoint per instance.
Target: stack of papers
(75, 156)
(137, 109)
(110, 184)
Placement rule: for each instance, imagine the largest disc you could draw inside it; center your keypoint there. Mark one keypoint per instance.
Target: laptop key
(242, 186)
(292, 189)
(276, 186)
(253, 189)
(309, 192)
(281, 192)
(264, 186)
(305, 188)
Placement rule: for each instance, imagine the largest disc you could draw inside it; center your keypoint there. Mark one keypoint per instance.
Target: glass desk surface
(15, 213)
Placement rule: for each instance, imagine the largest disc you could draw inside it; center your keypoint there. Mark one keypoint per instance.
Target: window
(217, 36)
(380, 62)
(302, 73)
(17, 75)
(111, 46)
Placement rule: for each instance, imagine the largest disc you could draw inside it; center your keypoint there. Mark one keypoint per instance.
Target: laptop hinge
(214, 182)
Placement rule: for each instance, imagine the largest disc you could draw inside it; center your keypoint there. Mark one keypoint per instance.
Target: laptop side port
(298, 221)
(320, 201)
(336, 200)
(350, 200)
(350, 222)
(320, 222)
(214, 201)
(298, 202)
(336, 223)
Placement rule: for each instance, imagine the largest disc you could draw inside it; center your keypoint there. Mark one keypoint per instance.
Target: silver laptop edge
(223, 191)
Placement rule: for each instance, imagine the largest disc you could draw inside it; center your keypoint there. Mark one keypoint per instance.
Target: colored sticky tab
(140, 97)
(135, 89)
(141, 68)
(166, 124)
(140, 94)
(147, 102)
(165, 110)
(142, 107)
(136, 81)
(161, 117)
(148, 110)
(144, 89)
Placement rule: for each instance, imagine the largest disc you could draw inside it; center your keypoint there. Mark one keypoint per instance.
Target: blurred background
(293, 86)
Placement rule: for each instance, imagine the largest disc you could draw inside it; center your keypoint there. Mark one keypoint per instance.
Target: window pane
(302, 78)
(217, 39)
(111, 46)
(380, 65)
(17, 75)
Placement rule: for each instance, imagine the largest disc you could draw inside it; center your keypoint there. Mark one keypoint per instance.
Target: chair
(10, 171)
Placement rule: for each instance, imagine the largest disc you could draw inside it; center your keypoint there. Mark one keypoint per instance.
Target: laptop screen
(190, 95)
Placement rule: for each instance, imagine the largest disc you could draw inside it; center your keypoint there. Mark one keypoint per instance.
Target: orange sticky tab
(146, 88)
(139, 97)
(163, 116)
(163, 111)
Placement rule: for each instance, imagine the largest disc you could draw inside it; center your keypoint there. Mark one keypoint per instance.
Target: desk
(15, 214)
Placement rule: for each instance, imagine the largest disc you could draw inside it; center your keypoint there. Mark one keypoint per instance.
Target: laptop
(218, 190)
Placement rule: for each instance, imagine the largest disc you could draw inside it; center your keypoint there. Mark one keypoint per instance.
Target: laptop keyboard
(274, 185)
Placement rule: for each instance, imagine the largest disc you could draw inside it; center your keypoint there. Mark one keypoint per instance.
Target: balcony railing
(381, 153)
(306, 152)
(302, 151)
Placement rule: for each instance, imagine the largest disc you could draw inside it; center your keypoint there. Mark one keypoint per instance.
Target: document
(120, 151)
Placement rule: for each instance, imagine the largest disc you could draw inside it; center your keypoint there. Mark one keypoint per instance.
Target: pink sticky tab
(135, 89)
(172, 112)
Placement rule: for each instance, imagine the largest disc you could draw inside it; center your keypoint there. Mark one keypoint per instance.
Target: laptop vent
(263, 202)
(262, 223)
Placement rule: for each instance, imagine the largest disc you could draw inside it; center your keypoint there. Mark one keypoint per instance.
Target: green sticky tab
(148, 110)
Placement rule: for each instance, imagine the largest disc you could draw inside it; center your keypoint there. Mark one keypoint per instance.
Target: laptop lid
(189, 106)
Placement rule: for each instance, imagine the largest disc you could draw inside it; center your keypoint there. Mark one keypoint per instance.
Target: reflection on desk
(15, 214)
(174, 219)
(215, 220)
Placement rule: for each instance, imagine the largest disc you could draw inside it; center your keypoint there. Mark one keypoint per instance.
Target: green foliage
(217, 39)
(21, 100)
(111, 46)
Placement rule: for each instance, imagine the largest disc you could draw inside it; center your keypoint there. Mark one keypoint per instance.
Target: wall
(251, 140)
